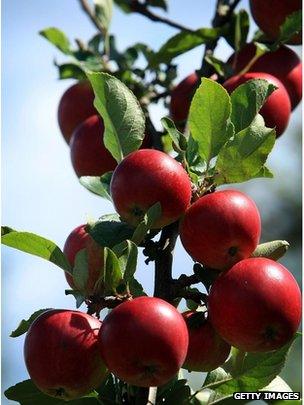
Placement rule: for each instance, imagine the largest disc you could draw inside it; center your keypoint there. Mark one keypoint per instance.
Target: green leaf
(175, 393)
(71, 71)
(257, 371)
(222, 69)
(178, 139)
(57, 38)
(103, 12)
(123, 117)
(26, 393)
(109, 230)
(184, 42)
(35, 245)
(98, 185)
(81, 270)
(247, 99)
(150, 218)
(136, 288)
(158, 3)
(209, 118)
(124, 5)
(79, 297)
(272, 250)
(24, 325)
(239, 29)
(131, 261)
(291, 26)
(242, 158)
(113, 274)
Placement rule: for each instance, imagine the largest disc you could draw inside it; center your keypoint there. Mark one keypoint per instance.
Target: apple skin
(277, 108)
(75, 106)
(256, 305)
(206, 350)
(62, 354)
(181, 97)
(77, 240)
(270, 15)
(145, 177)
(144, 341)
(89, 155)
(221, 228)
(284, 64)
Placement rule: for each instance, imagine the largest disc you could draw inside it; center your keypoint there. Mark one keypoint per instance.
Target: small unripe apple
(221, 228)
(144, 341)
(62, 354)
(283, 63)
(146, 177)
(277, 108)
(80, 239)
(269, 15)
(206, 350)
(76, 104)
(181, 97)
(256, 305)
(89, 155)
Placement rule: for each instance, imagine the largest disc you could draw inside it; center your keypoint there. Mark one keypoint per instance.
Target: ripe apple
(89, 155)
(62, 354)
(181, 98)
(80, 239)
(221, 228)
(75, 106)
(146, 177)
(284, 64)
(269, 15)
(277, 108)
(206, 350)
(256, 305)
(144, 341)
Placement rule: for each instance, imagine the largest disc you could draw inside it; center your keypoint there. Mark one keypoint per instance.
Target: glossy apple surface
(77, 240)
(269, 15)
(221, 228)
(89, 155)
(206, 350)
(256, 305)
(62, 354)
(144, 341)
(146, 177)
(277, 108)
(284, 64)
(75, 106)
(181, 97)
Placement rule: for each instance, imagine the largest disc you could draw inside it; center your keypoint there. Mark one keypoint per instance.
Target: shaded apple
(62, 354)
(256, 305)
(221, 228)
(80, 239)
(144, 341)
(76, 104)
(283, 63)
(146, 177)
(277, 107)
(206, 350)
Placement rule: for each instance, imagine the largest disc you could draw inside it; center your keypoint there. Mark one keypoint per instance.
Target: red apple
(221, 229)
(269, 15)
(206, 350)
(80, 239)
(75, 106)
(277, 108)
(146, 177)
(89, 155)
(144, 341)
(256, 305)
(284, 64)
(181, 97)
(62, 354)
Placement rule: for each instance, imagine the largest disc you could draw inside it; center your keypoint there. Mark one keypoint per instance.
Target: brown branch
(143, 10)
(87, 9)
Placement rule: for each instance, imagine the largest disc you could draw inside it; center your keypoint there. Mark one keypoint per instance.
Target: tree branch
(87, 9)
(143, 10)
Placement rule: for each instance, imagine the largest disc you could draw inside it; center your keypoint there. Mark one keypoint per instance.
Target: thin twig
(87, 9)
(143, 10)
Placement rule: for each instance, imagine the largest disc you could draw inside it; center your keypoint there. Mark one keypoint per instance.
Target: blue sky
(40, 190)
